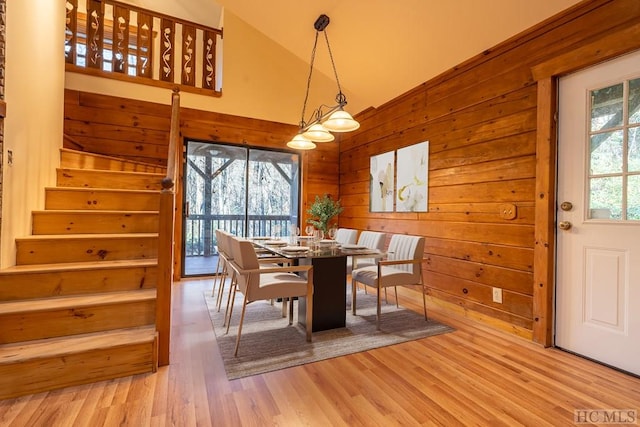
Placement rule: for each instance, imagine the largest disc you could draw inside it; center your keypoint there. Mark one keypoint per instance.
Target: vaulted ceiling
(381, 48)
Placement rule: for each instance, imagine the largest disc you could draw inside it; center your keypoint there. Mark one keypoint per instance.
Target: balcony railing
(200, 237)
(121, 41)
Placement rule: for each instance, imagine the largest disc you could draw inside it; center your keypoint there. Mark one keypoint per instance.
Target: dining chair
(370, 240)
(402, 267)
(219, 264)
(265, 259)
(346, 236)
(224, 257)
(260, 283)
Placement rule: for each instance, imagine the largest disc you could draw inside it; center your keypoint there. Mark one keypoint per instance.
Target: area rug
(268, 343)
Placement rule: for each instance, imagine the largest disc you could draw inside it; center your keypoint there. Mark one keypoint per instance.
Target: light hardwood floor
(473, 376)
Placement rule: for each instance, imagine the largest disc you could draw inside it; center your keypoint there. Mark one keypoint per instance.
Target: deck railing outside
(200, 229)
(121, 41)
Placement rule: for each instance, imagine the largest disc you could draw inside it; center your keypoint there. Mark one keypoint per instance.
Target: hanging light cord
(340, 98)
(306, 95)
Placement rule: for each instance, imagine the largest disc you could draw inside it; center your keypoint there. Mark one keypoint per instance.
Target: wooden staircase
(80, 305)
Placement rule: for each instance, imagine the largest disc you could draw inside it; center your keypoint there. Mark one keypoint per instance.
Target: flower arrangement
(322, 211)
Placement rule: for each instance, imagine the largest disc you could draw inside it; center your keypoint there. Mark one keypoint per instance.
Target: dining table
(329, 261)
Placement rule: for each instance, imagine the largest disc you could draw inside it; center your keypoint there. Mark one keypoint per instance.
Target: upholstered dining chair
(225, 254)
(224, 257)
(402, 267)
(267, 261)
(260, 283)
(346, 236)
(371, 240)
(219, 264)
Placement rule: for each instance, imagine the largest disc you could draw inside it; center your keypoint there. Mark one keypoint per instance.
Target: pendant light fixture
(325, 119)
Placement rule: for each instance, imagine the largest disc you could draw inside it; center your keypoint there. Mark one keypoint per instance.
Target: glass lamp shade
(340, 121)
(299, 142)
(318, 133)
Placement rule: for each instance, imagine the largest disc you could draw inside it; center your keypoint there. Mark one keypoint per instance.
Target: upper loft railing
(124, 42)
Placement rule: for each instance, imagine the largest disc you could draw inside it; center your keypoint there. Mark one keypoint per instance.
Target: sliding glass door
(273, 196)
(245, 191)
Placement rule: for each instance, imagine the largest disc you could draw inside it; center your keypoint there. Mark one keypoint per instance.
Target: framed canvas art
(381, 173)
(412, 187)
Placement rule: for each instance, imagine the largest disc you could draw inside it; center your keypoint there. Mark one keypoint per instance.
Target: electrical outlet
(497, 295)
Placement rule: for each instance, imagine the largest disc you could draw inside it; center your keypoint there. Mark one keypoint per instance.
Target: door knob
(566, 206)
(564, 225)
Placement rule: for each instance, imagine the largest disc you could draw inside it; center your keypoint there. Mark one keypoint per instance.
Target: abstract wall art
(412, 187)
(381, 178)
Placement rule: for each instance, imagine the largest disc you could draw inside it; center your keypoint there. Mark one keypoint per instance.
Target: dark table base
(329, 293)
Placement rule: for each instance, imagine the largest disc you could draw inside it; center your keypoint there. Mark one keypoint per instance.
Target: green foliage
(322, 211)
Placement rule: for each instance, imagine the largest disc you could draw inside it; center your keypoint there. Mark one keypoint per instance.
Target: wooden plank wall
(480, 118)
(139, 130)
(119, 127)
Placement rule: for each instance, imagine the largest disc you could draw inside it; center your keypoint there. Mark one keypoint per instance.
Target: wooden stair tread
(111, 172)
(76, 301)
(61, 267)
(86, 212)
(97, 199)
(102, 190)
(85, 236)
(60, 346)
(113, 158)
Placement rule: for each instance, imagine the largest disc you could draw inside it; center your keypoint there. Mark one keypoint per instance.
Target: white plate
(275, 242)
(352, 246)
(261, 238)
(294, 249)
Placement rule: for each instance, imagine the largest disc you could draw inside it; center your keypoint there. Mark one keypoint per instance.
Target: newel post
(166, 245)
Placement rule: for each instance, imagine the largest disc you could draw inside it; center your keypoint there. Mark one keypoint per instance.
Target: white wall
(204, 12)
(33, 126)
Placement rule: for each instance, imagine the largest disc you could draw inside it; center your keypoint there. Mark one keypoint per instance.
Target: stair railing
(111, 39)
(166, 236)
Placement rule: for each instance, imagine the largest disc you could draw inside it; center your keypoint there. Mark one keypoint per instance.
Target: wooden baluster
(167, 49)
(71, 32)
(120, 46)
(209, 60)
(144, 45)
(95, 33)
(188, 55)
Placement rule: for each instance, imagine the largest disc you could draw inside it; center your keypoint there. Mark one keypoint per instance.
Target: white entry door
(598, 258)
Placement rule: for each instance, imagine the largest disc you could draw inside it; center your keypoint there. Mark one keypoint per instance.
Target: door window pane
(634, 101)
(228, 180)
(634, 150)
(614, 152)
(606, 107)
(605, 198)
(633, 197)
(606, 153)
